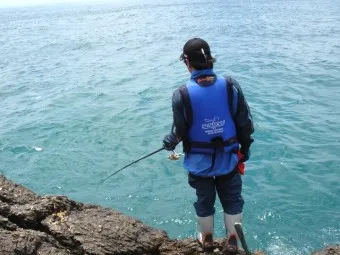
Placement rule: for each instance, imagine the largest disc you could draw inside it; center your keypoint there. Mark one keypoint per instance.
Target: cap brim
(181, 57)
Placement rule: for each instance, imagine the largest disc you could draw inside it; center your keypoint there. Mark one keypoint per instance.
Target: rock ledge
(55, 225)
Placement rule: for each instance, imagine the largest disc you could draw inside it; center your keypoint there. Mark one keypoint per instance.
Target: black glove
(245, 152)
(170, 141)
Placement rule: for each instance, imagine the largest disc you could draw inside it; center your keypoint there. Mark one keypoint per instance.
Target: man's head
(196, 54)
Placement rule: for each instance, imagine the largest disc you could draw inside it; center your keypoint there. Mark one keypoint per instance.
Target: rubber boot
(205, 233)
(231, 246)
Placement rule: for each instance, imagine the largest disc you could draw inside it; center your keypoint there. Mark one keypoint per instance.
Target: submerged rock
(55, 225)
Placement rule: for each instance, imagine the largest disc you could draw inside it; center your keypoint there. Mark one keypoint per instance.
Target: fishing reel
(175, 156)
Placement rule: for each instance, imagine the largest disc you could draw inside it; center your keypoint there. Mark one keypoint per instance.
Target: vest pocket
(197, 162)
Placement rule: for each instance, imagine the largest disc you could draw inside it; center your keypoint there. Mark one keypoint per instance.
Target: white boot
(205, 232)
(229, 221)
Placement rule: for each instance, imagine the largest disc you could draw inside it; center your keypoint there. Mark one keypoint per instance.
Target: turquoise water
(85, 90)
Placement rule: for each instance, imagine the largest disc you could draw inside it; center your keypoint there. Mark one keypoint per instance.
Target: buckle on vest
(217, 142)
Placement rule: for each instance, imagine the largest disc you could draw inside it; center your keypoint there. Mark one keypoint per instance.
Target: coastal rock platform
(55, 225)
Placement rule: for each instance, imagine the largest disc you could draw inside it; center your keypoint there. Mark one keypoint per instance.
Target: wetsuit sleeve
(179, 126)
(243, 120)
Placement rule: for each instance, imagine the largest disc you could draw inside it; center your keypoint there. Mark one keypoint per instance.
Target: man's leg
(229, 188)
(204, 206)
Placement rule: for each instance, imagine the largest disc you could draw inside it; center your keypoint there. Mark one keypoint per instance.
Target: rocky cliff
(55, 225)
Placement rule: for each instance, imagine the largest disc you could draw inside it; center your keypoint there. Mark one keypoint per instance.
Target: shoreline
(32, 224)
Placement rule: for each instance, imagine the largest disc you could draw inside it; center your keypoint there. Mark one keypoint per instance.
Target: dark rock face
(55, 225)
(30, 224)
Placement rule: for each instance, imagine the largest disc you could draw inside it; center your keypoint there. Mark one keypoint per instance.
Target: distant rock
(55, 225)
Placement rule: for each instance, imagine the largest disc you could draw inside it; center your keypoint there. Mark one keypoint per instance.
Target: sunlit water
(85, 90)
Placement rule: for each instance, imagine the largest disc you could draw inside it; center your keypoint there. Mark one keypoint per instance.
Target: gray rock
(46, 225)
(29, 242)
(97, 230)
(6, 224)
(15, 194)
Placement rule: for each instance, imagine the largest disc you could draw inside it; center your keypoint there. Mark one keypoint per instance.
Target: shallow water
(85, 90)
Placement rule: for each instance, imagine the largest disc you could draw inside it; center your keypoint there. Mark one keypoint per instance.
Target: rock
(330, 250)
(97, 230)
(172, 247)
(6, 224)
(29, 242)
(55, 225)
(191, 247)
(14, 194)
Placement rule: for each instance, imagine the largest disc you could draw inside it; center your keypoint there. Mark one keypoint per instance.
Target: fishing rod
(238, 227)
(152, 153)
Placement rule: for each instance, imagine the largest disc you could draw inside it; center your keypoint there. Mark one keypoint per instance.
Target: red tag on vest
(240, 166)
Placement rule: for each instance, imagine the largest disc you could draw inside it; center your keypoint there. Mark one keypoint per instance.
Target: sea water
(86, 89)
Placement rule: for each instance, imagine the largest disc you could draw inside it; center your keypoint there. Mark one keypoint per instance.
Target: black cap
(197, 51)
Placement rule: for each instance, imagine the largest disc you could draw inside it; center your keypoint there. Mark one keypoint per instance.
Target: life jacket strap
(214, 144)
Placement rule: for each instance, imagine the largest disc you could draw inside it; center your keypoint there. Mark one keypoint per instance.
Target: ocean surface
(86, 89)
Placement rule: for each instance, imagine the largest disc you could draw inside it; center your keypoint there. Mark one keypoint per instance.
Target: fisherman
(212, 119)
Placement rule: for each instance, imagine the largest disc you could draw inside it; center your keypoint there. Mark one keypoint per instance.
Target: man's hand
(170, 141)
(246, 153)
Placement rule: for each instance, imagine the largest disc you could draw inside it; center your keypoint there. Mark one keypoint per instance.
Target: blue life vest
(208, 113)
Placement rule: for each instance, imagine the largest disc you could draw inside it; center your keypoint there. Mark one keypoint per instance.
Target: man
(213, 120)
